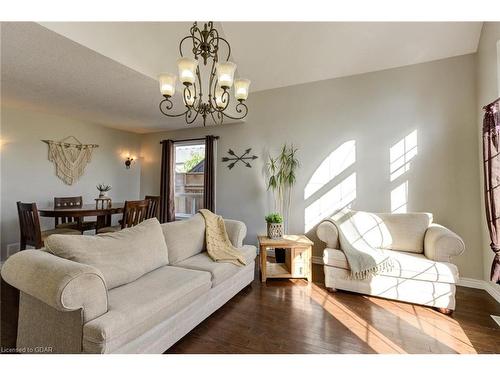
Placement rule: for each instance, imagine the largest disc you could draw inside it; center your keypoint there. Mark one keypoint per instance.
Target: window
(189, 178)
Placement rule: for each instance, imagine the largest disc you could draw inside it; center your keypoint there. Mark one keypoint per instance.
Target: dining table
(103, 214)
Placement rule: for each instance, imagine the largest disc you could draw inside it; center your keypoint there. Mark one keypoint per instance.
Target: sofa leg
(444, 310)
(331, 290)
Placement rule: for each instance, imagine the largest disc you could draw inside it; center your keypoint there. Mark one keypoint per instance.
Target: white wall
(375, 111)
(28, 176)
(488, 89)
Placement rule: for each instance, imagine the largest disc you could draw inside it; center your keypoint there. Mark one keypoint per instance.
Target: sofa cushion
(122, 257)
(220, 271)
(406, 265)
(403, 232)
(184, 238)
(137, 307)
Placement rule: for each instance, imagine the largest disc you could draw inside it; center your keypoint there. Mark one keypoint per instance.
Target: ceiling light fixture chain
(204, 44)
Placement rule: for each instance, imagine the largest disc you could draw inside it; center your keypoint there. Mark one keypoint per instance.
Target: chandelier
(205, 44)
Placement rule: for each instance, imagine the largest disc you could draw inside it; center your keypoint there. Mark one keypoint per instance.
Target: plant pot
(274, 230)
(102, 194)
(280, 255)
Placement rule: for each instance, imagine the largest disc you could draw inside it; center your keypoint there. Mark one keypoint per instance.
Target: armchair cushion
(60, 283)
(406, 265)
(122, 256)
(441, 243)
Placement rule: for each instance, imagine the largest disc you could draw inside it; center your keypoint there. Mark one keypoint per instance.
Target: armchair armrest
(440, 243)
(236, 231)
(329, 234)
(60, 283)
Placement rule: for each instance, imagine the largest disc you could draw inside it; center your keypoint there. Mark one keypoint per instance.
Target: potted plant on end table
(274, 225)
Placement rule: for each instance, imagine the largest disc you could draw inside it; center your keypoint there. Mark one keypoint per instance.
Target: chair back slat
(67, 202)
(29, 225)
(134, 212)
(154, 206)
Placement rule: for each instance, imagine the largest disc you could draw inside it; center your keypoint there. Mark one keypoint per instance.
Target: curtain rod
(492, 103)
(190, 139)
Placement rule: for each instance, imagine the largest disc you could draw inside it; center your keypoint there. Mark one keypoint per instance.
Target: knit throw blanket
(219, 248)
(359, 234)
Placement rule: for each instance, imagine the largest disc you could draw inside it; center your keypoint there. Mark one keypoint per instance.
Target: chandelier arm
(192, 37)
(188, 115)
(219, 119)
(227, 44)
(239, 109)
(187, 95)
(198, 75)
(211, 84)
(168, 106)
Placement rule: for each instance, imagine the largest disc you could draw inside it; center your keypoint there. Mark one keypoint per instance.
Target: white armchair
(421, 252)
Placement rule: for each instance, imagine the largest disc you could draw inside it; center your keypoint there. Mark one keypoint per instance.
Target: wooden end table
(298, 258)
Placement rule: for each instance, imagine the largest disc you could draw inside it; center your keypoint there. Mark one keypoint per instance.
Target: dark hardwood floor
(285, 316)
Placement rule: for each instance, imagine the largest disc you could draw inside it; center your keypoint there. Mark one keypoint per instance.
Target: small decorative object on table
(103, 201)
(274, 225)
(103, 189)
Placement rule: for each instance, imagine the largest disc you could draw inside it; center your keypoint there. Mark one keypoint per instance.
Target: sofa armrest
(440, 243)
(60, 283)
(329, 234)
(236, 231)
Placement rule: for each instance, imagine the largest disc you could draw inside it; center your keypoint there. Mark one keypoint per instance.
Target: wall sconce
(128, 162)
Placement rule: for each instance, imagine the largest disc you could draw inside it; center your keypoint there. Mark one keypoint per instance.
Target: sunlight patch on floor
(451, 335)
(357, 325)
(496, 319)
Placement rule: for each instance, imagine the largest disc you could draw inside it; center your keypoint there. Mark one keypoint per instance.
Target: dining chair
(72, 222)
(134, 212)
(29, 225)
(154, 206)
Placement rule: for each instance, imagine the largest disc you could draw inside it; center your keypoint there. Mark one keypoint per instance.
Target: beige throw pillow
(122, 256)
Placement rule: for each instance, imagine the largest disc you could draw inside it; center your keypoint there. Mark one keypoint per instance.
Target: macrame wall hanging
(70, 159)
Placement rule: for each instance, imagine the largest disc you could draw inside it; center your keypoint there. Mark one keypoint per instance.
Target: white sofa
(142, 294)
(421, 251)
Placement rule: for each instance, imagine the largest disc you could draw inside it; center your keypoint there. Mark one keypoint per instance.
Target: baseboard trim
(491, 288)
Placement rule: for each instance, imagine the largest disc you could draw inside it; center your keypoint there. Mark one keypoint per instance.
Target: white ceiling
(106, 72)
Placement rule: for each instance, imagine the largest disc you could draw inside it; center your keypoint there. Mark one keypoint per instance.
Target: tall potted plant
(282, 178)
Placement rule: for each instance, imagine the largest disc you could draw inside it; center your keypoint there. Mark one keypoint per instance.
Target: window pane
(189, 168)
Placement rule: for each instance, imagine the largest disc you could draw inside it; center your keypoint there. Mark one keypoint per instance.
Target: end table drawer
(300, 255)
(299, 269)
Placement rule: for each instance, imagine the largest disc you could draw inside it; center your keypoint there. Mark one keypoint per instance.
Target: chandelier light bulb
(187, 70)
(225, 74)
(241, 86)
(167, 84)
